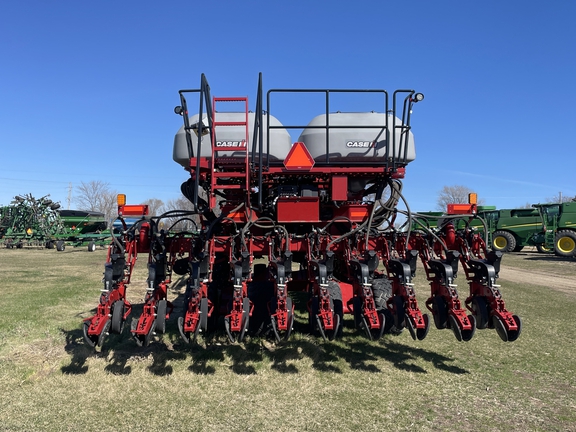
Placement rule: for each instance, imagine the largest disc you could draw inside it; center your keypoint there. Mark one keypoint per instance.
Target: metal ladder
(225, 169)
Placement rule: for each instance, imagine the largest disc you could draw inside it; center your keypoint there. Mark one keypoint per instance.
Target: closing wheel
(439, 312)
(60, 246)
(117, 322)
(453, 324)
(91, 246)
(421, 333)
(357, 310)
(469, 334)
(151, 333)
(503, 241)
(104, 333)
(161, 316)
(411, 327)
(515, 334)
(50, 244)
(480, 310)
(185, 335)
(565, 243)
(90, 340)
(500, 328)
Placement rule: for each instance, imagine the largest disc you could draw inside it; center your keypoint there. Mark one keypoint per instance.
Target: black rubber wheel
(503, 241)
(453, 324)
(60, 246)
(399, 313)
(422, 333)
(337, 306)
(515, 334)
(382, 291)
(204, 314)
(91, 247)
(185, 335)
(87, 338)
(439, 312)
(50, 244)
(117, 322)
(541, 247)
(565, 243)
(469, 334)
(161, 316)
(500, 328)
(480, 308)
(245, 318)
(104, 333)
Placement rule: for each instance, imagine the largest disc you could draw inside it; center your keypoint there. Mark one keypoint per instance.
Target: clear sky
(87, 89)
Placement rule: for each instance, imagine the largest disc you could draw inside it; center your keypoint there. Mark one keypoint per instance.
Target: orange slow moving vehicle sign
(298, 158)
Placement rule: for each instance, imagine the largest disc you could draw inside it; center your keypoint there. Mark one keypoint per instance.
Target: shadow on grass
(246, 358)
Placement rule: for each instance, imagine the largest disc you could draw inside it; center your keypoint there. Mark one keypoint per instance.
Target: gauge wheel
(117, 317)
(161, 316)
(439, 312)
(480, 308)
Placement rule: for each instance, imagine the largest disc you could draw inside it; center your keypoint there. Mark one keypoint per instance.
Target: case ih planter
(316, 216)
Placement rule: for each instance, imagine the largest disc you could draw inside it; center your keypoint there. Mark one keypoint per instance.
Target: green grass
(50, 380)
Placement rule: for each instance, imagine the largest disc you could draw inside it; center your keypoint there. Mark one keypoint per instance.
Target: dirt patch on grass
(539, 277)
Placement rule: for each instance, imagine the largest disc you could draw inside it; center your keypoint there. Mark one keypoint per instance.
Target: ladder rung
(232, 186)
(230, 99)
(238, 123)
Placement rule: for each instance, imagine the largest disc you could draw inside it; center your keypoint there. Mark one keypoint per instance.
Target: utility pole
(69, 194)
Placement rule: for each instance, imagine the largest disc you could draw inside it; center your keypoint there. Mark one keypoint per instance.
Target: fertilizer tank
(280, 140)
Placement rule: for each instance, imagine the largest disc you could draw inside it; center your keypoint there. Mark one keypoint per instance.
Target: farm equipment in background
(41, 223)
(548, 227)
(315, 218)
(28, 221)
(558, 232)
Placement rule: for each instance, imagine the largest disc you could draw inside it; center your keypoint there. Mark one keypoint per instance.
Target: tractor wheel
(503, 241)
(565, 243)
(541, 247)
(91, 247)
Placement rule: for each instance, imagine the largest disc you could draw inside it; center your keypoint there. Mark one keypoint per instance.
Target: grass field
(50, 380)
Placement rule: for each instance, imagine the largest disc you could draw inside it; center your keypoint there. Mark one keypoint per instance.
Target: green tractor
(558, 234)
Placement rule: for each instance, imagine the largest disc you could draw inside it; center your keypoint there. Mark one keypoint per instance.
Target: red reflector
(133, 210)
(460, 208)
(298, 158)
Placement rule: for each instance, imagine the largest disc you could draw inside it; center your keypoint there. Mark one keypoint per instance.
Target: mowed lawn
(50, 380)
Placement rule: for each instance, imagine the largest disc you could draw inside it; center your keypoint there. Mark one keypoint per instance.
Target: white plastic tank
(280, 140)
(352, 139)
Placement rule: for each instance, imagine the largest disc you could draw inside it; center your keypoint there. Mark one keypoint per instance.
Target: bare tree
(456, 194)
(559, 198)
(154, 206)
(98, 197)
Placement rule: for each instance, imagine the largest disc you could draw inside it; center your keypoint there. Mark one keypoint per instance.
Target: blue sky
(87, 89)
